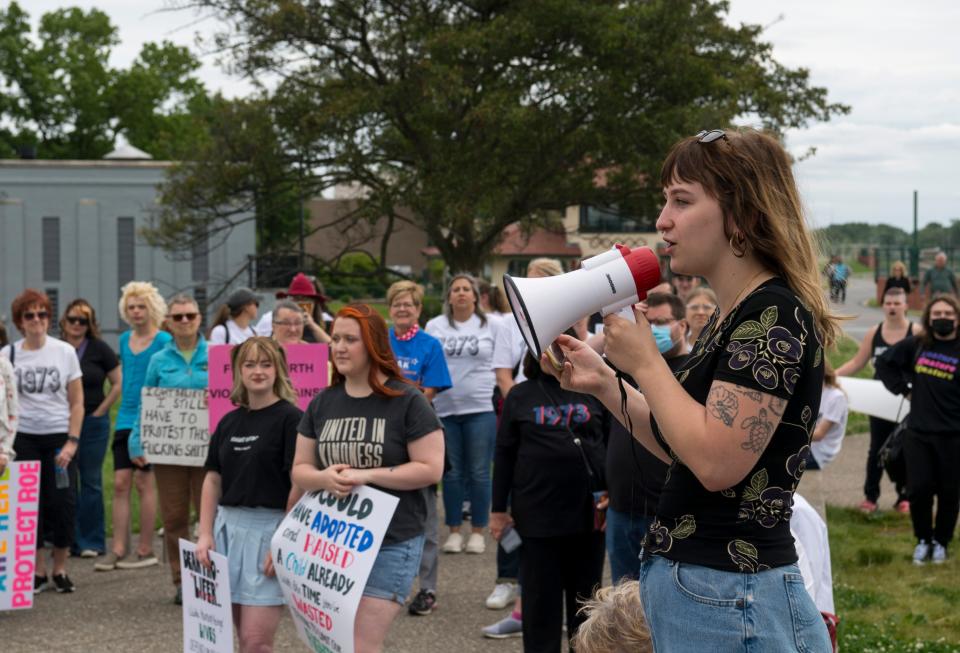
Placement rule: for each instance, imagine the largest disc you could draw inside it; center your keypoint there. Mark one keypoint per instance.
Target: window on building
(54, 295)
(200, 264)
(51, 249)
(125, 251)
(517, 267)
(595, 219)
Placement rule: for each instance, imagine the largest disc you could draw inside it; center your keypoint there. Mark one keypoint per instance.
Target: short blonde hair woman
(156, 306)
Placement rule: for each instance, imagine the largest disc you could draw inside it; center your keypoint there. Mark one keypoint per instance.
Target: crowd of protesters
(672, 446)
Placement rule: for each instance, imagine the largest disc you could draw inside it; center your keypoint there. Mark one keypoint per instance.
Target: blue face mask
(662, 335)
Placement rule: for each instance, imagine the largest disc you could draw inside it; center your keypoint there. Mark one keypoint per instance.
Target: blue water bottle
(63, 478)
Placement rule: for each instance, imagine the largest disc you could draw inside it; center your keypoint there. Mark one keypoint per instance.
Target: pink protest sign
(308, 374)
(19, 497)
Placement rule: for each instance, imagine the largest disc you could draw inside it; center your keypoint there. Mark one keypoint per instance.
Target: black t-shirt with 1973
(374, 431)
(768, 344)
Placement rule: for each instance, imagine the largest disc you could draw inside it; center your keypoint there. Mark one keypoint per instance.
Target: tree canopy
(59, 94)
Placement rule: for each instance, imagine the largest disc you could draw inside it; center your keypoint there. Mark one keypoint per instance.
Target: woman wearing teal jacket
(181, 364)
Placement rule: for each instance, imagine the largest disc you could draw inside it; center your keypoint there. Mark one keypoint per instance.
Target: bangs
(690, 162)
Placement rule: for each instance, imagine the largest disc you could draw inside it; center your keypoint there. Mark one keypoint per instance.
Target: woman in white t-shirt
(831, 424)
(466, 410)
(50, 394)
(235, 319)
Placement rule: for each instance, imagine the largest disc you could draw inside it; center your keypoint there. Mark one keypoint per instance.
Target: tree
(61, 97)
(474, 115)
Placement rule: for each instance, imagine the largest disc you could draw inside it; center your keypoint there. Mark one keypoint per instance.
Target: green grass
(884, 601)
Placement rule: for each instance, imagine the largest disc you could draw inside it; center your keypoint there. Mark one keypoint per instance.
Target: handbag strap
(577, 441)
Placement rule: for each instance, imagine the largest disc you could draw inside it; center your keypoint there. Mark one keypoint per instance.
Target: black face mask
(943, 326)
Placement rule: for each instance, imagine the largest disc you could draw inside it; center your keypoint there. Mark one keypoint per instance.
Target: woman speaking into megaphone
(735, 420)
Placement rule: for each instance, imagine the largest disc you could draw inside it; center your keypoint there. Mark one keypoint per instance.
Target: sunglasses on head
(38, 315)
(183, 317)
(82, 321)
(710, 136)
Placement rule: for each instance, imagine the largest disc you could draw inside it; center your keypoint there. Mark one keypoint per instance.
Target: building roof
(127, 152)
(539, 242)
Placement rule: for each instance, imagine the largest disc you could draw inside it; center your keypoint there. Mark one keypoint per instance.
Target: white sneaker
(939, 555)
(476, 543)
(502, 596)
(454, 543)
(921, 552)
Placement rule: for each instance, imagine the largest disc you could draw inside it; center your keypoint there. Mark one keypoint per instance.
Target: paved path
(127, 611)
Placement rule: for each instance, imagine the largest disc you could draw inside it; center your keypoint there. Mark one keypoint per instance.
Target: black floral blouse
(766, 345)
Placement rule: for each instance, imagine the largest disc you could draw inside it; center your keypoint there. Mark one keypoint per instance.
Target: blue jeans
(469, 441)
(693, 608)
(625, 533)
(94, 437)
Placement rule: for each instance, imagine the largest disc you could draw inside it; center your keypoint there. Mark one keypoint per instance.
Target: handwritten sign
(323, 552)
(173, 426)
(307, 365)
(19, 498)
(207, 616)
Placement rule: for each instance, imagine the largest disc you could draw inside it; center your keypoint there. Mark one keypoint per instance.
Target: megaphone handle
(623, 303)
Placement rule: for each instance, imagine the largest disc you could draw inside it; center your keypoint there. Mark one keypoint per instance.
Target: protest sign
(19, 498)
(173, 426)
(307, 365)
(207, 616)
(323, 552)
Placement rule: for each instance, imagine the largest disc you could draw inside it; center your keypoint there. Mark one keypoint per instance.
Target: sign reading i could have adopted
(173, 426)
(307, 365)
(19, 498)
(323, 552)
(207, 616)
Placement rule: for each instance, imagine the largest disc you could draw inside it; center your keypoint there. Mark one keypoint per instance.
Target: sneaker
(40, 583)
(454, 543)
(506, 627)
(921, 552)
(110, 562)
(142, 560)
(903, 507)
(939, 555)
(868, 507)
(503, 594)
(423, 603)
(178, 597)
(476, 543)
(89, 553)
(64, 584)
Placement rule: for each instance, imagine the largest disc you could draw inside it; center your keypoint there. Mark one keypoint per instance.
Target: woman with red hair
(394, 444)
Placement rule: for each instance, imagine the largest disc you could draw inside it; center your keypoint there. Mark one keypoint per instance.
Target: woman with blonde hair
(898, 278)
(614, 622)
(247, 488)
(143, 308)
(701, 304)
(735, 421)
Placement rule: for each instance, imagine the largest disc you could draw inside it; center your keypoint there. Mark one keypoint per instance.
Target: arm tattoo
(759, 430)
(723, 405)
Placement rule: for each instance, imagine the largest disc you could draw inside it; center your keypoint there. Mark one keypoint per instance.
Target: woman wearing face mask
(924, 368)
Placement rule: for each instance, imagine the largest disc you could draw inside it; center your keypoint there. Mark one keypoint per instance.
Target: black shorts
(121, 452)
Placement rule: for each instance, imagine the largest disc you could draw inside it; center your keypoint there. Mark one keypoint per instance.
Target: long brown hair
(926, 337)
(93, 328)
(749, 174)
(254, 348)
(376, 340)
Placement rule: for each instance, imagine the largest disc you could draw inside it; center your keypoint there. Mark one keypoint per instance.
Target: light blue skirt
(243, 535)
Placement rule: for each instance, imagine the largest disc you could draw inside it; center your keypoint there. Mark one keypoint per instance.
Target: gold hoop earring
(738, 244)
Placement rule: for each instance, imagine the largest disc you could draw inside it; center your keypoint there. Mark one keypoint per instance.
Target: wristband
(73, 438)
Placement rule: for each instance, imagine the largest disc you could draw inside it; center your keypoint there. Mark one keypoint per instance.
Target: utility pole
(915, 252)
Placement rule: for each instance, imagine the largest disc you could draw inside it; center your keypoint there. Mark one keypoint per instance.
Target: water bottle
(63, 478)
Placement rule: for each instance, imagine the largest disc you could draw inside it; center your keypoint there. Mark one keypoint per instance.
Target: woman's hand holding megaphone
(583, 368)
(630, 347)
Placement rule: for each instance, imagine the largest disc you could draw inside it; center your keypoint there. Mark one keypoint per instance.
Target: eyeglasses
(38, 315)
(403, 306)
(288, 323)
(711, 136)
(183, 317)
(82, 321)
(701, 307)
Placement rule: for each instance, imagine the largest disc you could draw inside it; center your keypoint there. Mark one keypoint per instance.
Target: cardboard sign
(307, 365)
(870, 397)
(207, 611)
(173, 426)
(323, 552)
(19, 499)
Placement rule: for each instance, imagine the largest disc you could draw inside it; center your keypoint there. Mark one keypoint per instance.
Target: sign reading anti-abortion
(307, 365)
(323, 552)
(207, 616)
(19, 498)
(173, 426)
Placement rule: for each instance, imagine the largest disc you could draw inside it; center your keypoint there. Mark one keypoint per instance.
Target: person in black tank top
(873, 345)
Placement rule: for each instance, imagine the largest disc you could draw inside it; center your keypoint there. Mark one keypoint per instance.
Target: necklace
(723, 316)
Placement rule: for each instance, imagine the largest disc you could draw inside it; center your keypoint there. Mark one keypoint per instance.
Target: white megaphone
(546, 307)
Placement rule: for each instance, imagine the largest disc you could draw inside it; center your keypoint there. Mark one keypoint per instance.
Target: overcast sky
(891, 61)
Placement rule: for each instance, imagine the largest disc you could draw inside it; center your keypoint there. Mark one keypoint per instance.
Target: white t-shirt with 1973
(468, 348)
(42, 376)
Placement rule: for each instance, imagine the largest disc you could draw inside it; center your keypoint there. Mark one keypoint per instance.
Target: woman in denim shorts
(247, 488)
(373, 427)
(719, 566)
